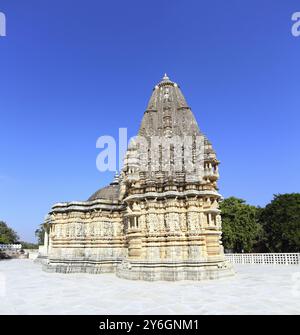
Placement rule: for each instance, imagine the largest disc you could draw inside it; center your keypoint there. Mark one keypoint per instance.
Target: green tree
(29, 245)
(7, 235)
(241, 230)
(281, 223)
(39, 234)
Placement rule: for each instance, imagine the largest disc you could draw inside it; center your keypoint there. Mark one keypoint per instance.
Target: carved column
(46, 241)
(134, 237)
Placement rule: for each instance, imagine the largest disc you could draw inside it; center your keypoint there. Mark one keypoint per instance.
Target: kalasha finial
(166, 77)
(165, 81)
(116, 178)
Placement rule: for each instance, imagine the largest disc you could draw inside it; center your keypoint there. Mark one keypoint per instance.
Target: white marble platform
(256, 289)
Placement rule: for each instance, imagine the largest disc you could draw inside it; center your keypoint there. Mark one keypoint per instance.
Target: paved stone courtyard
(256, 289)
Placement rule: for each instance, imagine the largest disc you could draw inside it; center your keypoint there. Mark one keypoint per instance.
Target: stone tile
(256, 289)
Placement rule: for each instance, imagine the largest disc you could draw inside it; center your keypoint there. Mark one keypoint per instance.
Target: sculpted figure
(108, 229)
(168, 222)
(175, 219)
(92, 229)
(72, 230)
(67, 232)
(182, 217)
(142, 222)
(192, 219)
(161, 222)
(152, 223)
(79, 229)
(58, 232)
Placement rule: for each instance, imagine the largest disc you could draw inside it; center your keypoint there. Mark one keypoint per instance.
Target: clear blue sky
(71, 71)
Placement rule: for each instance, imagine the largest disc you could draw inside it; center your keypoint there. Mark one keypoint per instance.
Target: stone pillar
(50, 234)
(46, 242)
(135, 222)
(134, 240)
(209, 219)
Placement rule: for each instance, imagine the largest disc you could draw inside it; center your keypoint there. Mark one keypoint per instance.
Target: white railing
(276, 258)
(10, 246)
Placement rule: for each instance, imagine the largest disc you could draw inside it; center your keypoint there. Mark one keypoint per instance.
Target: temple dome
(109, 192)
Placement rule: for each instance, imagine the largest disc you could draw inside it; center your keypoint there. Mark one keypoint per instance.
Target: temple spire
(168, 110)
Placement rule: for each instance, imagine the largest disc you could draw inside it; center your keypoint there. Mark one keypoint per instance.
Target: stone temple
(159, 219)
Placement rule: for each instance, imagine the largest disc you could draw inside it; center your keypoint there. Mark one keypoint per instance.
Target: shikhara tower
(158, 220)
